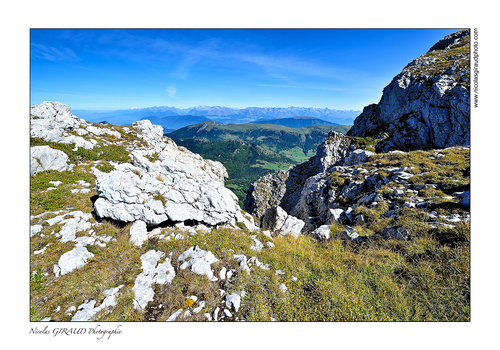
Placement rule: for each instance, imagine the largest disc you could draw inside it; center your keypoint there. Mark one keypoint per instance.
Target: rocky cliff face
(162, 183)
(284, 187)
(427, 105)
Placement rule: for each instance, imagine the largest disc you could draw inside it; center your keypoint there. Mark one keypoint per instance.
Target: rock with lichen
(427, 105)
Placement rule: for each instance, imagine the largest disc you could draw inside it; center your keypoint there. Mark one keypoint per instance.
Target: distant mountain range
(295, 122)
(172, 123)
(222, 115)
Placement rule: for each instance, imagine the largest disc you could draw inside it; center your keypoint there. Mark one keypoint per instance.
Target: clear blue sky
(106, 69)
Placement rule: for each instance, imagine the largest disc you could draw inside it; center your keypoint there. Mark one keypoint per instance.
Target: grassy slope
(426, 278)
(276, 138)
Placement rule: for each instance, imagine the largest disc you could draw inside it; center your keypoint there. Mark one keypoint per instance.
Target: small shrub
(105, 167)
(36, 280)
(153, 157)
(160, 198)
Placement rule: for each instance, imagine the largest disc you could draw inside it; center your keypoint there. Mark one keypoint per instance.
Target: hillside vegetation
(424, 278)
(280, 139)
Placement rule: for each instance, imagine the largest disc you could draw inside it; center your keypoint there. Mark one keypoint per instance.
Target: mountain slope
(427, 105)
(289, 142)
(127, 226)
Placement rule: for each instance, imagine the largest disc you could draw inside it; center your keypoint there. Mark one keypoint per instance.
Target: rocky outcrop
(427, 105)
(54, 121)
(284, 188)
(180, 186)
(274, 218)
(163, 182)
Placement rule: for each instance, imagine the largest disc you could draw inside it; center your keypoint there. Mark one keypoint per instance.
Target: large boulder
(132, 193)
(46, 158)
(180, 186)
(427, 105)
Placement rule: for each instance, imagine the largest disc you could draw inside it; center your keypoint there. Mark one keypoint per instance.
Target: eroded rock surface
(46, 158)
(427, 105)
(284, 188)
(178, 186)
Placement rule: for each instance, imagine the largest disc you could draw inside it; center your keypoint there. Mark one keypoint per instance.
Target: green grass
(115, 153)
(422, 279)
(419, 280)
(42, 200)
(105, 167)
(276, 138)
(451, 172)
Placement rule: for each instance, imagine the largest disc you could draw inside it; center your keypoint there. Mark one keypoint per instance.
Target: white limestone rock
(233, 301)
(152, 272)
(175, 315)
(227, 313)
(35, 229)
(257, 246)
(138, 233)
(199, 261)
(322, 232)
(46, 158)
(351, 234)
(242, 260)
(181, 186)
(292, 226)
(70, 226)
(334, 215)
(247, 220)
(87, 310)
(273, 219)
(358, 156)
(74, 259)
(254, 261)
(50, 121)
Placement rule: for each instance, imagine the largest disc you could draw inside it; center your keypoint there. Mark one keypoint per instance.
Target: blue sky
(106, 69)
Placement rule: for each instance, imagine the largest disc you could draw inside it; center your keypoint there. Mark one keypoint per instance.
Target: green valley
(249, 151)
(245, 162)
(277, 138)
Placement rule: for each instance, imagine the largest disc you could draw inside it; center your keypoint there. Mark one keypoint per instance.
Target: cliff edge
(427, 105)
